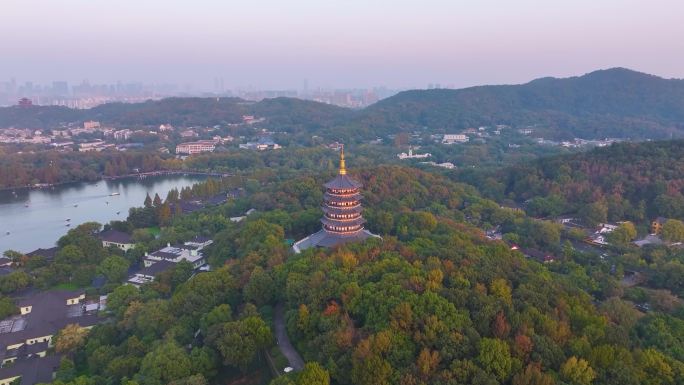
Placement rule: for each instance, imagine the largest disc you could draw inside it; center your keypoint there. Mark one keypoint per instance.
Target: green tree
(218, 315)
(577, 371)
(114, 268)
(70, 338)
(119, 299)
(167, 362)
(7, 307)
(313, 374)
(239, 341)
(532, 376)
(260, 289)
(156, 202)
(495, 358)
(673, 230)
(594, 213)
(625, 233)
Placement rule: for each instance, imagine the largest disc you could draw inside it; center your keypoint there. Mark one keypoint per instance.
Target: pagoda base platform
(325, 238)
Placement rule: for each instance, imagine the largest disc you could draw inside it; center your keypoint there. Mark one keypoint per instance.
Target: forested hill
(626, 181)
(607, 103)
(181, 112)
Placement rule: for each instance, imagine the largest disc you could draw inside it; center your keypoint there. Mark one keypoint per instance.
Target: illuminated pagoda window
(342, 220)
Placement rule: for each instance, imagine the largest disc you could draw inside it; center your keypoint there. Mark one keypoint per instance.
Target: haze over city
(272, 44)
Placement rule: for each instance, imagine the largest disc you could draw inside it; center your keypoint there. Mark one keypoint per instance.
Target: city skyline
(355, 44)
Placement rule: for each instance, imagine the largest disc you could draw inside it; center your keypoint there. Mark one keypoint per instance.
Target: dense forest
(434, 302)
(608, 103)
(626, 181)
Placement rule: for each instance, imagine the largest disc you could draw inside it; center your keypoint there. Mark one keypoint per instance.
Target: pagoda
(342, 220)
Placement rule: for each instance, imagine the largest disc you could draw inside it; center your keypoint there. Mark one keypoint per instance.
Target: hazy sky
(345, 43)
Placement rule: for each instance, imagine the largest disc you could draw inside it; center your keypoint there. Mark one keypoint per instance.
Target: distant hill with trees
(284, 112)
(608, 103)
(625, 181)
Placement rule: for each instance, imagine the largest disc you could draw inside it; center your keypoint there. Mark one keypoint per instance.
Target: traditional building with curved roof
(342, 221)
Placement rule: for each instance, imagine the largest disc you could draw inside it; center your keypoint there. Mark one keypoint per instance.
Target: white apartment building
(196, 147)
(454, 138)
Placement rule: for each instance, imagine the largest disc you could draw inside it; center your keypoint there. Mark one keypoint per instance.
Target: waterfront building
(117, 239)
(197, 147)
(342, 221)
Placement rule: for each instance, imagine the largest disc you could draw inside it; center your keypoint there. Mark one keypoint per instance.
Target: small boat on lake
(114, 194)
(76, 205)
(68, 219)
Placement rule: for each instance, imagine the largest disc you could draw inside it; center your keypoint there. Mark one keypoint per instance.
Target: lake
(38, 218)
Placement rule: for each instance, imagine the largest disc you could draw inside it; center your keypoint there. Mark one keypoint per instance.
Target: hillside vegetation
(626, 181)
(607, 103)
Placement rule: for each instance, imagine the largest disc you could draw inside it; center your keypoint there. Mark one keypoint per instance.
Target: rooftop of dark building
(33, 370)
(47, 253)
(116, 236)
(156, 268)
(49, 314)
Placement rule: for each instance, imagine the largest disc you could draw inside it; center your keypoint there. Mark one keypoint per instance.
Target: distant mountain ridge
(185, 111)
(607, 103)
(616, 102)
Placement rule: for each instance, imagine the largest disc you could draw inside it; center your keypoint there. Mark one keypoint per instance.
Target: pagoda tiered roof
(347, 210)
(342, 198)
(343, 182)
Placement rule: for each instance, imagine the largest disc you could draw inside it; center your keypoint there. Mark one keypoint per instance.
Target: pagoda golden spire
(343, 166)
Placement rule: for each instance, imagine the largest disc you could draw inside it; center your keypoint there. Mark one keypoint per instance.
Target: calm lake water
(38, 218)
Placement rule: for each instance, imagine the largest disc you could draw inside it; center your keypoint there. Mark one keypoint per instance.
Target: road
(295, 360)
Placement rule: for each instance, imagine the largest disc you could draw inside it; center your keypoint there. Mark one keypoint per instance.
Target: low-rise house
(261, 145)
(175, 254)
(651, 239)
(411, 155)
(447, 165)
(149, 273)
(48, 254)
(97, 145)
(117, 239)
(167, 257)
(565, 220)
(34, 370)
(600, 236)
(41, 316)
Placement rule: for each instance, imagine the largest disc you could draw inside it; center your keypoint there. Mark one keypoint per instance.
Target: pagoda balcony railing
(343, 231)
(342, 204)
(344, 219)
(342, 194)
(345, 207)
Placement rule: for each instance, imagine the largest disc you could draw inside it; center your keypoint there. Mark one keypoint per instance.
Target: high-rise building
(60, 88)
(342, 221)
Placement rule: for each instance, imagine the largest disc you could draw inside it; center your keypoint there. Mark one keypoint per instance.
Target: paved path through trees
(295, 360)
